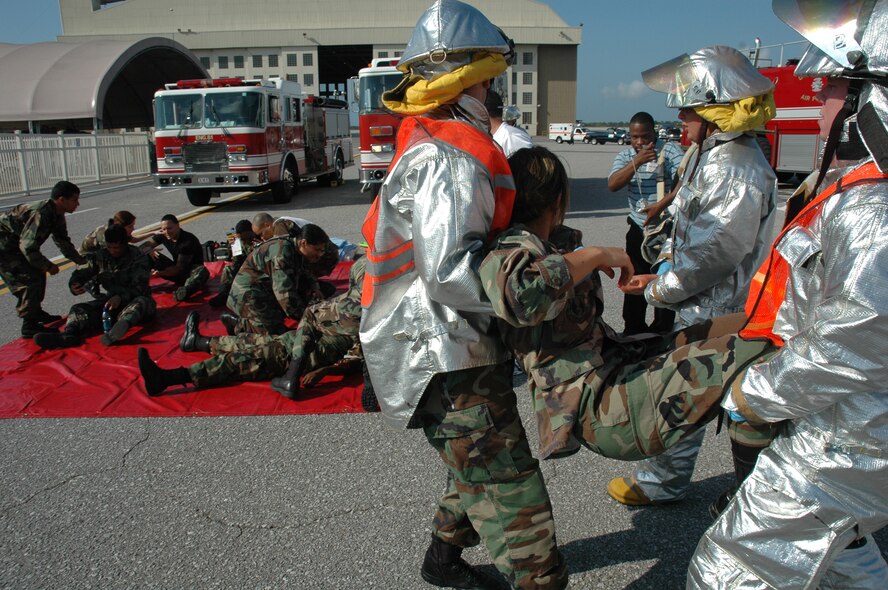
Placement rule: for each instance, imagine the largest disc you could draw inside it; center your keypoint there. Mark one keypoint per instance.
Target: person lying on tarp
(325, 343)
(624, 398)
(122, 271)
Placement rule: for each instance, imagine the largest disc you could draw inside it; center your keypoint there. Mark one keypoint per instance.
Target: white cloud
(632, 90)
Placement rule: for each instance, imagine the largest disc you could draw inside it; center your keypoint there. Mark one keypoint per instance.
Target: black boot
(32, 327)
(368, 395)
(157, 379)
(191, 340)
(288, 384)
(443, 566)
(117, 332)
(47, 318)
(229, 320)
(744, 462)
(53, 340)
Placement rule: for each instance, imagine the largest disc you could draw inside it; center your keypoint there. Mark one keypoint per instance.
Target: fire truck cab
(378, 126)
(226, 134)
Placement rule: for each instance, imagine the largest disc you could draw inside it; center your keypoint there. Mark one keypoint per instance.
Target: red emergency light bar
(215, 83)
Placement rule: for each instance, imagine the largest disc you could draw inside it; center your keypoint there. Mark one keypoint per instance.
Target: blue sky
(621, 38)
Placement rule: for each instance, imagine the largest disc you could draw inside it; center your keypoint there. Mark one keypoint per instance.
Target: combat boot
(53, 340)
(47, 318)
(744, 462)
(192, 341)
(117, 332)
(369, 401)
(32, 327)
(180, 294)
(230, 321)
(444, 567)
(157, 379)
(288, 384)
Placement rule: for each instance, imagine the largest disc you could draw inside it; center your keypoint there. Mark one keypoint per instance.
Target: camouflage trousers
(632, 410)
(259, 312)
(495, 490)
(193, 280)
(26, 283)
(259, 357)
(87, 316)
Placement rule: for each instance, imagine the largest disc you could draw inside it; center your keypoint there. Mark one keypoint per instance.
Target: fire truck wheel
(283, 190)
(199, 196)
(335, 177)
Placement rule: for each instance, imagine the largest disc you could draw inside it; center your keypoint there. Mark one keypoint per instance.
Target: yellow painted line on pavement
(187, 217)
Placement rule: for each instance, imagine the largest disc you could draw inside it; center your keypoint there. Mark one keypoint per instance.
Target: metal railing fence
(34, 163)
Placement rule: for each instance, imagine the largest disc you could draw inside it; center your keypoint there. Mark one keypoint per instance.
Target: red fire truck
(378, 126)
(227, 134)
(794, 144)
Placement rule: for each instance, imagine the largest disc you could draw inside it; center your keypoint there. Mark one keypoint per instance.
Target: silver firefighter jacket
(724, 221)
(829, 466)
(434, 318)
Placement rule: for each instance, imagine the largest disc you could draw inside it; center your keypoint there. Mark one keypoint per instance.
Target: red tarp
(103, 381)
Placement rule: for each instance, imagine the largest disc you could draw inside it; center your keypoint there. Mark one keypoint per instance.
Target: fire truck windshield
(178, 111)
(371, 89)
(224, 109)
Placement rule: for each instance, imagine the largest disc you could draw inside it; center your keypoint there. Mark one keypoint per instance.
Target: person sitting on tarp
(241, 244)
(292, 226)
(325, 343)
(122, 271)
(273, 283)
(186, 268)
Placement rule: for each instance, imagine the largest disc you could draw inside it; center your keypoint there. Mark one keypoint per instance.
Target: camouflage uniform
(226, 277)
(622, 399)
(271, 285)
(22, 267)
(126, 277)
(186, 252)
(329, 329)
(324, 266)
(94, 240)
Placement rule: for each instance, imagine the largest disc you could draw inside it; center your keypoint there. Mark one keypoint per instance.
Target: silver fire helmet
(848, 37)
(511, 113)
(712, 75)
(446, 37)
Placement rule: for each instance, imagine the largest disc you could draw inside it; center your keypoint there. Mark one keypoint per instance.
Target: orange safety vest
(383, 266)
(768, 287)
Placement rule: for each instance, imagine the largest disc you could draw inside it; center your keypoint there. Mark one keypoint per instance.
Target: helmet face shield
(712, 75)
(830, 25)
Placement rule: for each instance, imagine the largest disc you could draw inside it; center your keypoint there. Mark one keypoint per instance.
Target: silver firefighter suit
(804, 516)
(724, 223)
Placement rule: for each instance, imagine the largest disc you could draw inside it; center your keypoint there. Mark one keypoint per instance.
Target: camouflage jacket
(94, 240)
(126, 276)
(26, 227)
(554, 330)
(276, 268)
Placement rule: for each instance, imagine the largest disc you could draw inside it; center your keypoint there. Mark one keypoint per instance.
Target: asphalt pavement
(306, 502)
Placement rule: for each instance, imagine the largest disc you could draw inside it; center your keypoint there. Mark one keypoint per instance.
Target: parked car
(673, 134)
(595, 137)
(619, 136)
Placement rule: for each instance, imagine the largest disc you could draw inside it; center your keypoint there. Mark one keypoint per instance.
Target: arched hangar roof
(113, 81)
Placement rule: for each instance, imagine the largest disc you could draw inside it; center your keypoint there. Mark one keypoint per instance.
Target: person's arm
(63, 241)
(842, 348)
(285, 270)
(721, 234)
(626, 165)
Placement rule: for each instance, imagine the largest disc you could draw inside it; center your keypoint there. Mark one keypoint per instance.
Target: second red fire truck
(378, 126)
(226, 134)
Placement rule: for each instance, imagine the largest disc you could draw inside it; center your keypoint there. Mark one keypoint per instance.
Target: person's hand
(53, 269)
(113, 303)
(637, 284)
(311, 378)
(653, 211)
(645, 154)
(77, 289)
(611, 259)
(154, 254)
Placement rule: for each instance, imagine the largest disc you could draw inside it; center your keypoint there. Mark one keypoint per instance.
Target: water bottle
(106, 320)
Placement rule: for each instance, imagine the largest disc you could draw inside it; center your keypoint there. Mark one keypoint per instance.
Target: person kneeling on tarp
(123, 271)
